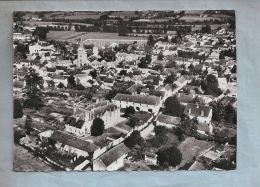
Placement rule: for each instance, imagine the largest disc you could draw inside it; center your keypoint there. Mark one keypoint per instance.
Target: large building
(203, 113)
(81, 121)
(41, 47)
(139, 102)
(82, 56)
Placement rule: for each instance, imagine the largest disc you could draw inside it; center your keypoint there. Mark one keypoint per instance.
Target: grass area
(72, 36)
(191, 148)
(26, 161)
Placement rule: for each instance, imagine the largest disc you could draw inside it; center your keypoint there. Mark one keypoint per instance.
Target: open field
(21, 157)
(72, 36)
(192, 148)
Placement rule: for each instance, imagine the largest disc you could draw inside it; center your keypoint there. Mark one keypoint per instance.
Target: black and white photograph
(124, 90)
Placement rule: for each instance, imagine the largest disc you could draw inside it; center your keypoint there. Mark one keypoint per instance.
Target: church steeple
(81, 43)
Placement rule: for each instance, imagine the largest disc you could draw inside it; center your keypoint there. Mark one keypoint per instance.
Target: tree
(169, 157)
(93, 74)
(169, 79)
(134, 139)
(97, 127)
(122, 72)
(129, 111)
(122, 29)
(234, 69)
(160, 56)
(133, 122)
(41, 32)
(71, 81)
(210, 85)
(160, 130)
(158, 67)
(18, 109)
(18, 134)
(28, 125)
(179, 133)
(206, 29)
(230, 114)
(20, 52)
(189, 126)
(60, 85)
(218, 111)
(150, 41)
(51, 84)
(34, 84)
(173, 106)
(111, 94)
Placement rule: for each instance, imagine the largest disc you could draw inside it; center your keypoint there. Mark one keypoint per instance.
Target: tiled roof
(184, 98)
(108, 80)
(142, 99)
(103, 109)
(71, 121)
(196, 110)
(114, 154)
(181, 80)
(73, 141)
(169, 119)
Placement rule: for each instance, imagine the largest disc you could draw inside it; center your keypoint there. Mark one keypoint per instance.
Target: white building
(222, 83)
(21, 36)
(203, 113)
(168, 121)
(41, 47)
(139, 102)
(82, 119)
(82, 56)
(111, 160)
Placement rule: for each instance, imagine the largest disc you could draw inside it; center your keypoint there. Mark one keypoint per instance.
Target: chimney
(202, 113)
(197, 105)
(189, 111)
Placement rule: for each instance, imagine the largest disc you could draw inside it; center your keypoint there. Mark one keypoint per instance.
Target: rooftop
(169, 119)
(142, 99)
(73, 141)
(113, 154)
(196, 110)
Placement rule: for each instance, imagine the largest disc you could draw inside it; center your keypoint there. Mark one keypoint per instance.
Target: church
(83, 58)
(81, 121)
(82, 55)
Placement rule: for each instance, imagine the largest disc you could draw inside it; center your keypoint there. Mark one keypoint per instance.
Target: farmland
(21, 161)
(72, 36)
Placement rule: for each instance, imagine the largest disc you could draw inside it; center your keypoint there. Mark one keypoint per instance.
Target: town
(124, 90)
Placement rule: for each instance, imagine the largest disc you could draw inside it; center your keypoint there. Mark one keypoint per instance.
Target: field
(21, 157)
(72, 36)
(192, 148)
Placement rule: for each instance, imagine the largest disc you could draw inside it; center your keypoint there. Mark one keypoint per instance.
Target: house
(184, 99)
(21, 36)
(75, 126)
(109, 81)
(72, 144)
(81, 121)
(139, 102)
(150, 158)
(222, 83)
(168, 121)
(41, 47)
(203, 113)
(180, 82)
(111, 160)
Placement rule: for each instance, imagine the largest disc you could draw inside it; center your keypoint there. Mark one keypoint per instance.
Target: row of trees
(223, 113)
